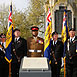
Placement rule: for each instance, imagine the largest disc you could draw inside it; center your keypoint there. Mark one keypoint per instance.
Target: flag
(9, 36)
(65, 31)
(64, 38)
(48, 32)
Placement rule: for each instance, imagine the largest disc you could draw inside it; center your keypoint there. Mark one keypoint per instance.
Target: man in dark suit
(19, 50)
(4, 66)
(35, 44)
(56, 54)
(71, 55)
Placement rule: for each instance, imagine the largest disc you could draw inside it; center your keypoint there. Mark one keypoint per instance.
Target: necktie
(16, 40)
(2, 44)
(71, 40)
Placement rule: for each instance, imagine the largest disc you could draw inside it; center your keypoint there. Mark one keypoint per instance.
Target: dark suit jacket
(58, 51)
(20, 49)
(72, 51)
(2, 56)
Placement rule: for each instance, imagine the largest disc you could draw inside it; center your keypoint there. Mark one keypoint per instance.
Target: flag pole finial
(11, 2)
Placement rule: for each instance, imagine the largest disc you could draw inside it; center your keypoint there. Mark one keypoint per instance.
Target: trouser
(55, 68)
(4, 70)
(15, 69)
(71, 70)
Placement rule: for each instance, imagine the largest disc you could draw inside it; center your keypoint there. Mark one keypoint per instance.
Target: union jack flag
(48, 20)
(10, 16)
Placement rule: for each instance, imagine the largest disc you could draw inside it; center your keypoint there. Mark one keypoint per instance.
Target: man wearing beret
(35, 44)
(71, 55)
(4, 66)
(19, 50)
(56, 54)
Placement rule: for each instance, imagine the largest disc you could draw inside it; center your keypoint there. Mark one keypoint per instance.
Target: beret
(16, 30)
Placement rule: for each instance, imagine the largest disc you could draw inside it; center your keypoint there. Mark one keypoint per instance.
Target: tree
(20, 21)
(3, 18)
(36, 12)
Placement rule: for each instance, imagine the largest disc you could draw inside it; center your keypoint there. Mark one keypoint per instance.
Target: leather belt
(34, 50)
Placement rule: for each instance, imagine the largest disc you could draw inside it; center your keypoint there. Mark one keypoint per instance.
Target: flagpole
(10, 69)
(64, 66)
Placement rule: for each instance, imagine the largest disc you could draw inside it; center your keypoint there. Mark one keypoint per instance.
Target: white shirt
(72, 38)
(54, 42)
(17, 39)
(0, 47)
(4, 44)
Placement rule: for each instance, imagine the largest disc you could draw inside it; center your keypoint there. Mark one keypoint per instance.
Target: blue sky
(19, 4)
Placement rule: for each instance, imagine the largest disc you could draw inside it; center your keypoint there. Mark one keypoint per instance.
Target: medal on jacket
(40, 41)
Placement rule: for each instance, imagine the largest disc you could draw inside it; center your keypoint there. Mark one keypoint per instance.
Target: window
(59, 19)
